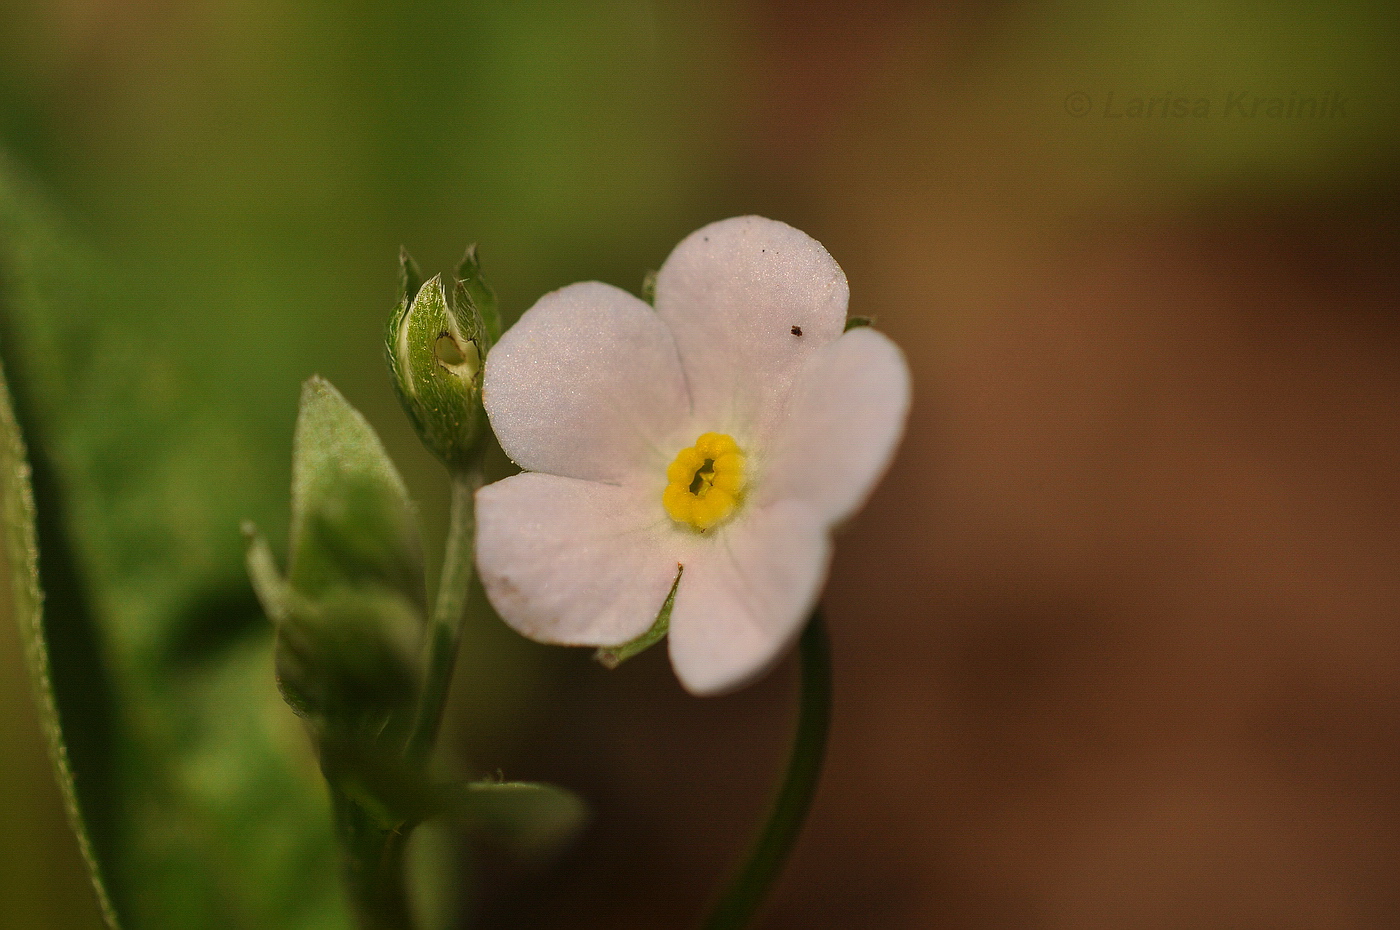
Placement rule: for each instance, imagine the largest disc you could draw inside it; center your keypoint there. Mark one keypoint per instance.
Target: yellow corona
(705, 482)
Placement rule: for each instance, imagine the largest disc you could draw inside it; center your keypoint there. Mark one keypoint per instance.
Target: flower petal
(587, 384)
(743, 600)
(748, 299)
(842, 427)
(573, 562)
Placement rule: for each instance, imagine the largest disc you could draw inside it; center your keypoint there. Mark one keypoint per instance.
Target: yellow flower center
(705, 481)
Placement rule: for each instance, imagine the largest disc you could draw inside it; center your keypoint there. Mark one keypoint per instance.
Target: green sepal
(611, 657)
(410, 278)
(471, 283)
(856, 322)
(649, 287)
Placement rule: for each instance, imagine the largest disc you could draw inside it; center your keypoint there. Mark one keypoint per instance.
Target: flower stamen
(705, 482)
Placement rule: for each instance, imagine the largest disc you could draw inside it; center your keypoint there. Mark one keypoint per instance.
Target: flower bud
(437, 342)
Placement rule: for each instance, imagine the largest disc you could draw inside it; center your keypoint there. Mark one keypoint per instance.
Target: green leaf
(351, 662)
(351, 616)
(27, 599)
(200, 802)
(525, 819)
(353, 523)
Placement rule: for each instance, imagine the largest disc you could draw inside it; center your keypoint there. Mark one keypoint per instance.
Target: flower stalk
(448, 613)
(436, 343)
(749, 887)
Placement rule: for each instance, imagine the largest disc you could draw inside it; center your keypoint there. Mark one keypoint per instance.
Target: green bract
(351, 615)
(353, 655)
(437, 343)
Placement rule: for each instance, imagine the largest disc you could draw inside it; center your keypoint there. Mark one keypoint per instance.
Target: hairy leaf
(200, 803)
(27, 604)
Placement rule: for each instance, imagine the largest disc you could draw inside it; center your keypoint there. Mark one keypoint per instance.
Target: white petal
(743, 601)
(574, 562)
(736, 294)
(842, 427)
(587, 384)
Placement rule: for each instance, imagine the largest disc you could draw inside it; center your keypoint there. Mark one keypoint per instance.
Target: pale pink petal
(748, 300)
(844, 422)
(587, 384)
(743, 600)
(574, 562)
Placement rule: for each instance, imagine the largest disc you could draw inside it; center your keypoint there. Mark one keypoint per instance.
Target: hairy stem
(372, 860)
(747, 890)
(373, 856)
(457, 568)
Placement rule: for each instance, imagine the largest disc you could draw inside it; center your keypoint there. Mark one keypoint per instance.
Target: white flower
(724, 432)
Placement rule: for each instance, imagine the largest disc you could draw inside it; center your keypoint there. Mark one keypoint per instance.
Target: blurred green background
(1116, 640)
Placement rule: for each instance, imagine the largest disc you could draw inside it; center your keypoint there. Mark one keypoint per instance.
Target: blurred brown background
(1117, 642)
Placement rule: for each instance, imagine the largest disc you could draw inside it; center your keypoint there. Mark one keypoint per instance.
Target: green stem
(746, 891)
(372, 859)
(456, 579)
(373, 855)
